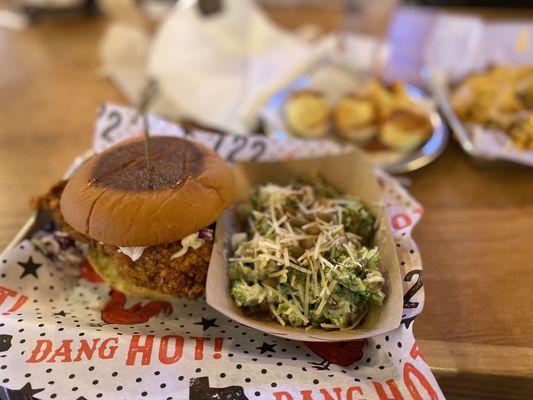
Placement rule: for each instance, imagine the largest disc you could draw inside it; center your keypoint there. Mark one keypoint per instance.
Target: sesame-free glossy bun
(113, 198)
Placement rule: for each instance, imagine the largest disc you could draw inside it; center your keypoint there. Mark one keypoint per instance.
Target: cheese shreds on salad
(305, 257)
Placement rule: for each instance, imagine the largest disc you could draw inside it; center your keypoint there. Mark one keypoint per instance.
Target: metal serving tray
(418, 159)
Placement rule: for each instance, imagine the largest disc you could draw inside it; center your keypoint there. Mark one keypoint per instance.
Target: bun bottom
(105, 267)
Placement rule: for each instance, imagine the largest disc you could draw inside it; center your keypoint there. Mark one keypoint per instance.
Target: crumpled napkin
(219, 70)
(234, 58)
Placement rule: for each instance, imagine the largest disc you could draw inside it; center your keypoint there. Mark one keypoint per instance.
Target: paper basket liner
(183, 349)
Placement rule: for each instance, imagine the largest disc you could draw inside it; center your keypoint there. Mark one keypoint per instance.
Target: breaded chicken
(156, 270)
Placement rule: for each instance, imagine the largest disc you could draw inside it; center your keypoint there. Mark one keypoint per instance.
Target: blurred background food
(500, 98)
(374, 109)
(307, 113)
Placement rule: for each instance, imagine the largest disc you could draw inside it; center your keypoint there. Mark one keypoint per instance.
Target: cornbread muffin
(307, 113)
(405, 129)
(355, 118)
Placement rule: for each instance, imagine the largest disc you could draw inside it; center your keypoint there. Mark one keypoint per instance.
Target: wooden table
(476, 236)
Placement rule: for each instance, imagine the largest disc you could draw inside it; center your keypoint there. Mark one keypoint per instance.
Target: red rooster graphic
(340, 353)
(115, 311)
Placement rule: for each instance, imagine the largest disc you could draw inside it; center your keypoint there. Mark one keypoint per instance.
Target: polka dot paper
(65, 334)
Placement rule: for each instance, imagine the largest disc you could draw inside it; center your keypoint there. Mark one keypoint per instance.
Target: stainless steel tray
(418, 159)
(440, 94)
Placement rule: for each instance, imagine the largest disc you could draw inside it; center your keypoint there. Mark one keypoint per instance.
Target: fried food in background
(524, 90)
(387, 111)
(521, 131)
(405, 129)
(500, 98)
(388, 98)
(307, 113)
(355, 118)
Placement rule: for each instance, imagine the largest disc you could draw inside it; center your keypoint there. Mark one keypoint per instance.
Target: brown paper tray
(349, 172)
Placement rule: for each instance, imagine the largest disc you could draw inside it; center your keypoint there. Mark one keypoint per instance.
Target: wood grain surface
(476, 236)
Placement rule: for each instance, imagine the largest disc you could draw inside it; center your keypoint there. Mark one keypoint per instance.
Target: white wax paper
(65, 334)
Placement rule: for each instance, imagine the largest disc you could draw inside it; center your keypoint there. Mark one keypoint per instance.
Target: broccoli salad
(305, 258)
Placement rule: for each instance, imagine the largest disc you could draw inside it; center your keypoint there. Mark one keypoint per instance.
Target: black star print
(60, 313)
(207, 323)
(266, 347)
(30, 267)
(25, 392)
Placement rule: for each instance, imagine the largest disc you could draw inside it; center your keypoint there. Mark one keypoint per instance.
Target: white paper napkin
(221, 69)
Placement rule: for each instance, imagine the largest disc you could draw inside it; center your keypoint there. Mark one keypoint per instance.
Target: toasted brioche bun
(405, 130)
(307, 113)
(355, 118)
(113, 198)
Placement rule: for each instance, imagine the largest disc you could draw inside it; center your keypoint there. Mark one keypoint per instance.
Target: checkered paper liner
(66, 334)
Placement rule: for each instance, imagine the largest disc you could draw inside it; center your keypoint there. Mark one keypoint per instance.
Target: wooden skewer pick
(147, 143)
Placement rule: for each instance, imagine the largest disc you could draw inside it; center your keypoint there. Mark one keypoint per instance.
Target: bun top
(113, 198)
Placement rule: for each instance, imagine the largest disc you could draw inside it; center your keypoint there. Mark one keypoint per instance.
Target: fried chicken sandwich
(148, 229)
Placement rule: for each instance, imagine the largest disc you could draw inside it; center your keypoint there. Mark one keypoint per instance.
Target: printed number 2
(240, 142)
(261, 148)
(407, 303)
(114, 119)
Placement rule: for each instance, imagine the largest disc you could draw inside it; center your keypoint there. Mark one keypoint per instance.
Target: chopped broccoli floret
(247, 295)
(303, 256)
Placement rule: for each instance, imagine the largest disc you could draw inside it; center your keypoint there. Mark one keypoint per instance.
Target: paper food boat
(352, 174)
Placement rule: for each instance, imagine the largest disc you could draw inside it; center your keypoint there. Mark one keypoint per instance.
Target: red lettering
(416, 352)
(112, 349)
(43, 347)
(145, 350)
(400, 221)
(64, 351)
(307, 394)
(199, 347)
(163, 349)
(86, 350)
(19, 303)
(218, 348)
(408, 370)
(328, 396)
(282, 396)
(380, 390)
(5, 293)
(350, 392)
